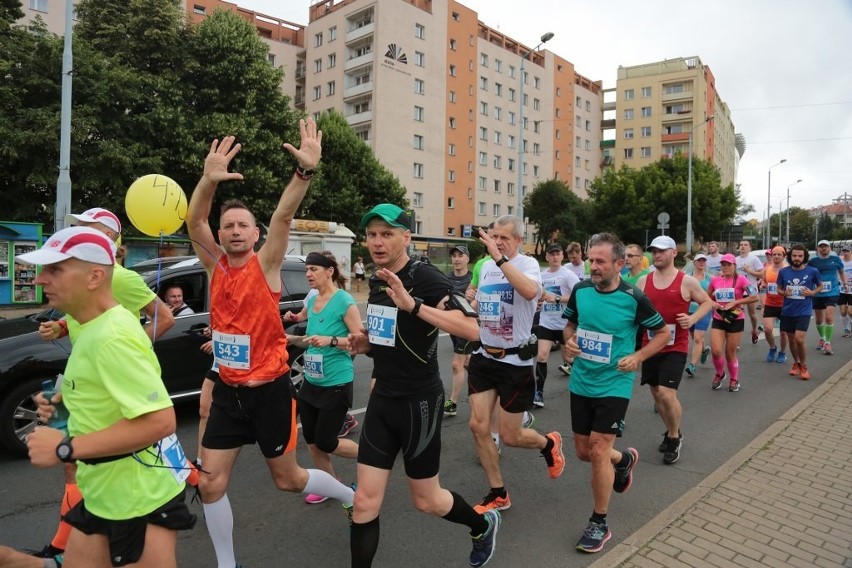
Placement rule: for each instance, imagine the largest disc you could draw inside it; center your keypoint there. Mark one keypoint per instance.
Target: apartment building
(657, 106)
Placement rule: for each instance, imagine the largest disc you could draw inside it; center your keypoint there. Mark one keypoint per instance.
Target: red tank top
(243, 307)
(669, 303)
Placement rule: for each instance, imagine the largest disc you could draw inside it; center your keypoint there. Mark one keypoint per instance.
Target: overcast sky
(784, 67)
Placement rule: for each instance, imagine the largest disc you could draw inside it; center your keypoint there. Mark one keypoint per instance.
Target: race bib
(826, 286)
(173, 457)
(489, 307)
(796, 292)
(313, 366)
(381, 325)
(594, 346)
(672, 329)
(232, 351)
(772, 288)
(725, 295)
(750, 290)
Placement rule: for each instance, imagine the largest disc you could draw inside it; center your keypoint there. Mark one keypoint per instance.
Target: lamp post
(520, 189)
(689, 188)
(787, 236)
(63, 182)
(780, 218)
(768, 193)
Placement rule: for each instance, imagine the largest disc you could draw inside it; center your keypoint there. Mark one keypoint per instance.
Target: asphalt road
(546, 518)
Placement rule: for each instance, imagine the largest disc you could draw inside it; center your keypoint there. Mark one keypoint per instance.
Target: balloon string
(159, 273)
(215, 257)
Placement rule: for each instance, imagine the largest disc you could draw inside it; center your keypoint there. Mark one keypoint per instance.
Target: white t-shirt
(847, 268)
(579, 270)
(506, 317)
(714, 264)
(753, 263)
(559, 282)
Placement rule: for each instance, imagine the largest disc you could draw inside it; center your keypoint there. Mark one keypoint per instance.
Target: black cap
(554, 247)
(461, 248)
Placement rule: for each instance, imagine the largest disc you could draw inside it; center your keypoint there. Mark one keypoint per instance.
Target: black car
(26, 360)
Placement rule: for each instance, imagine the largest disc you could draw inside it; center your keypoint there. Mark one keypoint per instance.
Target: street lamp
(787, 237)
(520, 189)
(768, 192)
(780, 218)
(689, 188)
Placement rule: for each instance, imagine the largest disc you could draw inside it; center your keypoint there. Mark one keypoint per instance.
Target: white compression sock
(220, 526)
(321, 483)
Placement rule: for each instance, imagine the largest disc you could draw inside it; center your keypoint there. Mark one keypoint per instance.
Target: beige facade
(657, 106)
(51, 11)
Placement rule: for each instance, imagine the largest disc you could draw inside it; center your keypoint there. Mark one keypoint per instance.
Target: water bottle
(49, 389)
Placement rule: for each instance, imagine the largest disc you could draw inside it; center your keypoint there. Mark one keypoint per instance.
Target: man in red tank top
(253, 402)
(670, 291)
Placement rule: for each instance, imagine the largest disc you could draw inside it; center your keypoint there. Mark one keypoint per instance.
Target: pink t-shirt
(725, 290)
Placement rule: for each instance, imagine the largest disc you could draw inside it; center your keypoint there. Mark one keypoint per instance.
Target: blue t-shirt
(329, 366)
(829, 268)
(606, 324)
(797, 305)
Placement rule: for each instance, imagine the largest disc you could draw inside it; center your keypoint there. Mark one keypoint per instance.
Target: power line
(750, 143)
(791, 106)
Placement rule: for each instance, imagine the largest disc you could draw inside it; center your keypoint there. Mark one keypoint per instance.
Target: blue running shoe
(485, 544)
(770, 357)
(594, 537)
(782, 357)
(704, 354)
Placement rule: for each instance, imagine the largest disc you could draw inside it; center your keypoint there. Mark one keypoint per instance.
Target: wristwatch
(334, 342)
(558, 299)
(417, 303)
(64, 451)
(503, 260)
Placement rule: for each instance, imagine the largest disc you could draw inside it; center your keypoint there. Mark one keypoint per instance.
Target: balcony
(358, 61)
(360, 32)
(299, 101)
(679, 137)
(682, 116)
(608, 123)
(684, 95)
(359, 118)
(357, 90)
(300, 71)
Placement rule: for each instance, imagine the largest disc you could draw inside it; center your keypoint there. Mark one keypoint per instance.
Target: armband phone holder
(457, 301)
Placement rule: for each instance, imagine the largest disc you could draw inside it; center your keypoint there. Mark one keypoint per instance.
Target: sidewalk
(784, 500)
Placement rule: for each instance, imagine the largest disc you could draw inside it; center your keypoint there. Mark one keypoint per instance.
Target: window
(512, 71)
(419, 59)
(419, 87)
(511, 141)
(317, 65)
(332, 33)
(361, 107)
(418, 142)
(558, 112)
(418, 113)
(496, 209)
(482, 208)
(451, 231)
(510, 188)
(483, 108)
(676, 109)
(672, 89)
(577, 183)
(558, 91)
(452, 96)
(536, 126)
(588, 145)
(628, 133)
(456, 17)
(451, 149)
(588, 106)
(452, 70)
(629, 95)
(537, 82)
(270, 58)
(578, 102)
(628, 114)
(512, 95)
(646, 92)
(511, 117)
(318, 39)
(317, 93)
(536, 148)
(646, 131)
(483, 159)
(511, 165)
(498, 113)
(453, 44)
(498, 162)
(578, 142)
(483, 60)
(510, 210)
(417, 200)
(419, 31)
(418, 227)
(451, 177)
(483, 183)
(535, 171)
(646, 112)
(498, 137)
(586, 164)
(536, 104)
(452, 122)
(579, 121)
(496, 186)
(332, 60)
(418, 172)
(558, 134)
(483, 133)
(498, 65)
(646, 151)
(628, 153)
(41, 6)
(330, 88)
(483, 83)
(588, 126)
(363, 50)
(577, 162)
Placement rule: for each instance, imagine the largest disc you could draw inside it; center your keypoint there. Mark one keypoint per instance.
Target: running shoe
(734, 386)
(820, 344)
(690, 370)
(624, 475)
(493, 501)
(826, 349)
(754, 336)
(450, 408)
(847, 332)
(528, 420)
(538, 399)
(348, 510)
(717, 381)
(770, 357)
(760, 326)
(805, 375)
(664, 444)
(314, 499)
(672, 453)
(704, 354)
(485, 544)
(796, 370)
(565, 368)
(594, 537)
(555, 458)
(49, 551)
(782, 357)
(348, 425)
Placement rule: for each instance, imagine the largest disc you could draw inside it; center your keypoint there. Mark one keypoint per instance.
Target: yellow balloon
(156, 205)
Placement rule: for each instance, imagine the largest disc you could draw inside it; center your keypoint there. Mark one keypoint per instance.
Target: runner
(603, 316)
(700, 351)
(407, 308)
(360, 273)
(798, 283)
(714, 259)
(833, 279)
(633, 258)
(772, 305)
(557, 283)
(845, 299)
(460, 278)
(253, 401)
(730, 291)
(752, 268)
(575, 260)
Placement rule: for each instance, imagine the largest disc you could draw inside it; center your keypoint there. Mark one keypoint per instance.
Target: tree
(557, 212)
(628, 201)
(350, 180)
(801, 225)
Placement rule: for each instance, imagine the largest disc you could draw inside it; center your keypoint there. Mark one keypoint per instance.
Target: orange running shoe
(555, 458)
(805, 375)
(796, 370)
(494, 502)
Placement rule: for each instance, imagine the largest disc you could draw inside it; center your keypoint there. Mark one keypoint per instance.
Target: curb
(633, 543)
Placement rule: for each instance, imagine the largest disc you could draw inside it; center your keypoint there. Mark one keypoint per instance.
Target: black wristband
(417, 303)
(502, 261)
(303, 174)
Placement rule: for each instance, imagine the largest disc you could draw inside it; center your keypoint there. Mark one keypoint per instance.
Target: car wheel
(18, 416)
(297, 370)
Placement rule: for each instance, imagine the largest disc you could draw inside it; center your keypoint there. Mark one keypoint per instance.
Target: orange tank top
(773, 299)
(249, 339)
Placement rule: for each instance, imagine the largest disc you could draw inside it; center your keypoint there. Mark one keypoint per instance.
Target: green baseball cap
(391, 214)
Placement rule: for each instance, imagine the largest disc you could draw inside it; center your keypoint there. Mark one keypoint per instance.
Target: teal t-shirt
(329, 366)
(111, 375)
(607, 323)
